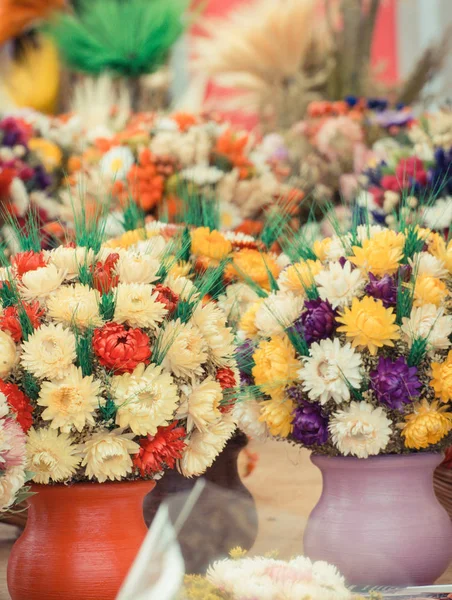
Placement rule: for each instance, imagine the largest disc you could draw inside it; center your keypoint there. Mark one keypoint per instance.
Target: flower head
(75, 305)
(360, 430)
(442, 379)
(299, 277)
(429, 290)
(19, 404)
(8, 354)
(117, 162)
(204, 404)
(310, 427)
(186, 348)
(317, 322)
(277, 312)
(330, 371)
(119, 349)
(211, 244)
(147, 399)
(134, 267)
(71, 401)
(23, 262)
(253, 264)
(339, 284)
(49, 352)
(161, 450)
(10, 321)
(51, 455)
(137, 305)
(211, 322)
(39, 283)
(428, 322)
(275, 365)
(384, 289)
(104, 274)
(277, 414)
(427, 425)
(369, 324)
(380, 254)
(394, 382)
(106, 455)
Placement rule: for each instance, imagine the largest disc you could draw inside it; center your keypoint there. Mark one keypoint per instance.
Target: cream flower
(340, 284)
(147, 399)
(211, 322)
(429, 322)
(360, 430)
(203, 404)
(75, 304)
(116, 163)
(203, 447)
(8, 354)
(181, 286)
(425, 263)
(237, 298)
(278, 312)
(185, 348)
(300, 276)
(38, 284)
(49, 352)
(439, 215)
(51, 455)
(338, 246)
(246, 413)
(70, 402)
(11, 482)
(133, 267)
(330, 371)
(70, 260)
(136, 305)
(106, 455)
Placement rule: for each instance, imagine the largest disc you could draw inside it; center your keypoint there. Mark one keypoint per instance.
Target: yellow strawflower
(429, 290)
(276, 365)
(442, 379)
(211, 244)
(253, 264)
(321, 247)
(381, 254)
(248, 320)
(129, 238)
(300, 276)
(277, 413)
(369, 324)
(426, 426)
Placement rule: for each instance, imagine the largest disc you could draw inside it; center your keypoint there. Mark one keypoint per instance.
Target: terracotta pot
(79, 541)
(224, 517)
(379, 522)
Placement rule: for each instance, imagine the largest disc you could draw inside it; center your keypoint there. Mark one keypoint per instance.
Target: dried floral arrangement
(349, 352)
(281, 56)
(123, 369)
(265, 578)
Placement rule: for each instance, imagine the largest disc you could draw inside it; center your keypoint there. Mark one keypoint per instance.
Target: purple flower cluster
(394, 382)
(14, 132)
(384, 289)
(318, 322)
(244, 356)
(310, 427)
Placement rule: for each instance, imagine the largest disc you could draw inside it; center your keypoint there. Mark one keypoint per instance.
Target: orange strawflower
(147, 186)
(232, 146)
(184, 120)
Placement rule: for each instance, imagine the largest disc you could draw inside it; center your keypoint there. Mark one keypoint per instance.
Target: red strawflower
(119, 349)
(160, 450)
(391, 183)
(226, 379)
(411, 170)
(28, 261)
(10, 322)
(104, 275)
(6, 178)
(19, 403)
(167, 297)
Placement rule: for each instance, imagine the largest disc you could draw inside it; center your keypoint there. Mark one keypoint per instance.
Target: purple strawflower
(310, 427)
(318, 321)
(244, 356)
(14, 132)
(394, 382)
(41, 178)
(384, 289)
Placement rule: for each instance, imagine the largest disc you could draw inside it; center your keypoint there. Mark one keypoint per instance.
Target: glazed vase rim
(377, 460)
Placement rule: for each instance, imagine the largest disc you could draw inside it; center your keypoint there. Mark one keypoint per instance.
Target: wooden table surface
(285, 485)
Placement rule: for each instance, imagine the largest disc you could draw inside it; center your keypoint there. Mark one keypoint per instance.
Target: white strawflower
(429, 322)
(51, 455)
(203, 447)
(439, 216)
(211, 322)
(247, 412)
(360, 430)
(237, 237)
(338, 247)
(117, 162)
(203, 404)
(277, 312)
(70, 260)
(236, 300)
(424, 263)
(330, 371)
(137, 305)
(4, 406)
(367, 232)
(106, 455)
(11, 481)
(75, 304)
(134, 267)
(8, 354)
(182, 286)
(202, 174)
(49, 352)
(185, 349)
(340, 284)
(40, 283)
(147, 399)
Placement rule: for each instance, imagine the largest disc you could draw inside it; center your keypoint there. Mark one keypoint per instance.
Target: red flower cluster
(119, 349)
(19, 404)
(104, 275)
(409, 171)
(9, 320)
(164, 448)
(226, 379)
(167, 297)
(28, 261)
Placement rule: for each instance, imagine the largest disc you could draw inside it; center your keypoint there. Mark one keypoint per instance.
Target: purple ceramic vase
(378, 520)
